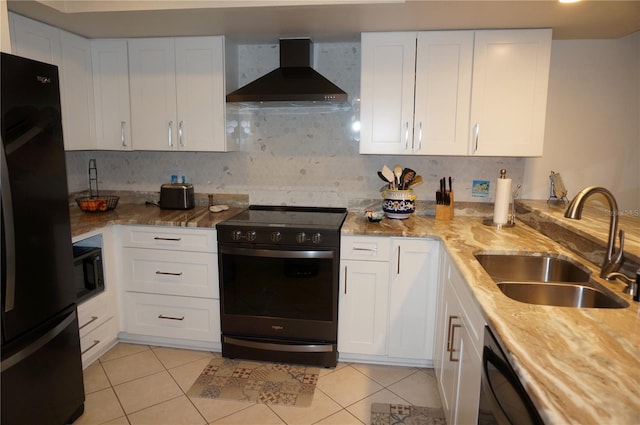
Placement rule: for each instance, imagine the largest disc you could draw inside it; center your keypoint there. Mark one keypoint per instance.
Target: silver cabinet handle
(169, 273)
(398, 259)
(170, 133)
(406, 135)
(453, 350)
(180, 140)
(158, 238)
(476, 131)
(345, 280)
(162, 316)
(420, 137)
(365, 249)
(95, 342)
(93, 319)
(122, 138)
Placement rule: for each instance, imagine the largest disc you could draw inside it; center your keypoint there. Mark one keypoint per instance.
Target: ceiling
(262, 22)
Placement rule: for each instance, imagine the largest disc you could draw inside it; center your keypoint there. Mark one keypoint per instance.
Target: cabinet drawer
(365, 248)
(95, 342)
(172, 238)
(94, 312)
(172, 317)
(192, 274)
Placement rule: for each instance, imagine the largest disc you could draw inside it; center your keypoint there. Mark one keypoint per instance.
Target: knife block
(445, 212)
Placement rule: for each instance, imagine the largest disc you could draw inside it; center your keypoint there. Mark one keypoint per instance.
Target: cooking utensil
(405, 179)
(388, 174)
(382, 176)
(415, 182)
(397, 172)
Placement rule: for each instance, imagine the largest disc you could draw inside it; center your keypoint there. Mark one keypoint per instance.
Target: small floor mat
(402, 414)
(258, 382)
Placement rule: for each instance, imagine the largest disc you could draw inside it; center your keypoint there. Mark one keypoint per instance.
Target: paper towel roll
(503, 198)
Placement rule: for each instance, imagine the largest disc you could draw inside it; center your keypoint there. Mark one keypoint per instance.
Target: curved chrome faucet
(613, 260)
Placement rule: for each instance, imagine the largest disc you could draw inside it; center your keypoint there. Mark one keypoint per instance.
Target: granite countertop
(133, 209)
(579, 365)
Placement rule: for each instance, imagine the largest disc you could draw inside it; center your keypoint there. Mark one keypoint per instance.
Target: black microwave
(88, 275)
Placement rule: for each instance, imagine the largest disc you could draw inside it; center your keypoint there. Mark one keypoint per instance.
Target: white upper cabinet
(444, 62)
(454, 92)
(387, 92)
(177, 93)
(111, 89)
(72, 55)
(509, 102)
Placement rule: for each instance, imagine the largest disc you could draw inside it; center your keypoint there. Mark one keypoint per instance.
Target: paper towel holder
(512, 214)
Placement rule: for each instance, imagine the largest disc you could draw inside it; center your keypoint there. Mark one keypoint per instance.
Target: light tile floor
(141, 384)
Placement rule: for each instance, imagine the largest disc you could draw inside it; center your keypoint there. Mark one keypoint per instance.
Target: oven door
(279, 293)
(503, 399)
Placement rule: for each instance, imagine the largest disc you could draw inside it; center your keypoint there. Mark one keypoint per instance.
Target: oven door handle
(273, 253)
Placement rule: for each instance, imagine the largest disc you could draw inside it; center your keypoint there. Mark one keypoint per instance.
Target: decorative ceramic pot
(398, 204)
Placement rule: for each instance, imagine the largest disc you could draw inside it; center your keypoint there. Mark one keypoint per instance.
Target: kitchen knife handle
(170, 133)
(122, 138)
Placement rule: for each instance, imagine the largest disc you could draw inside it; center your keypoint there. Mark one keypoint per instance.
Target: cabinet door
(444, 61)
(34, 40)
(509, 100)
(387, 92)
(111, 90)
(412, 298)
(153, 93)
(469, 376)
(446, 366)
(78, 118)
(362, 307)
(200, 93)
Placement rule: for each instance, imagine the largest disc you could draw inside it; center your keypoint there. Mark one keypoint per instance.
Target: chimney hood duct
(295, 82)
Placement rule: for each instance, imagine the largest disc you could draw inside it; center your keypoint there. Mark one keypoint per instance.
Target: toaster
(176, 196)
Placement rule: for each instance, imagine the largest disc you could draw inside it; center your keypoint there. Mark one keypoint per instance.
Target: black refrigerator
(41, 368)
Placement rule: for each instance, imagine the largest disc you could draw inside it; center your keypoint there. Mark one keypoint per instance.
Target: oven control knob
(301, 237)
(316, 238)
(236, 235)
(276, 237)
(251, 235)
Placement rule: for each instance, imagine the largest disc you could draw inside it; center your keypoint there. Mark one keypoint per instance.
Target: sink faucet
(612, 260)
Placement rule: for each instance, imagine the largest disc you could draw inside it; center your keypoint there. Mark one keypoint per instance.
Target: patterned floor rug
(258, 382)
(400, 414)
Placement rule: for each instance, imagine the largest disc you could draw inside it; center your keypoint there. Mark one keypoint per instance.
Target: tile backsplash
(294, 156)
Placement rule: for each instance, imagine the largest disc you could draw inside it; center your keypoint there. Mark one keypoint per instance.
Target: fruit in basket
(102, 205)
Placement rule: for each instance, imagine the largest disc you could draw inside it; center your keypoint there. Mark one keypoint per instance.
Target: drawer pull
(95, 342)
(365, 249)
(93, 319)
(453, 350)
(169, 273)
(158, 238)
(162, 316)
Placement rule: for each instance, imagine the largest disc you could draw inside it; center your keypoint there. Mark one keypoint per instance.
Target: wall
(302, 156)
(593, 121)
(293, 155)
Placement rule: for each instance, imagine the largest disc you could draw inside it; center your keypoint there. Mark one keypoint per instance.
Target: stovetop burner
(290, 225)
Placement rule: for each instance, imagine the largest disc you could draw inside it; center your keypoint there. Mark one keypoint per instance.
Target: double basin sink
(539, 278)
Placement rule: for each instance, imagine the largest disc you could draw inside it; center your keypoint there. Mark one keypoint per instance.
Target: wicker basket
(97, 203)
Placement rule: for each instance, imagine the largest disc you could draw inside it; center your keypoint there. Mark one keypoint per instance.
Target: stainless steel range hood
(295, 82)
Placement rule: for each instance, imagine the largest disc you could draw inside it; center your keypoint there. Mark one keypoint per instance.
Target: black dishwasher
(503, 400)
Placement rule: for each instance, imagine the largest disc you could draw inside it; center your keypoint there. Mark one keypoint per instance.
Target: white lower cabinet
(458, 350)
(386, 308)
(98, 327)
(170, 286)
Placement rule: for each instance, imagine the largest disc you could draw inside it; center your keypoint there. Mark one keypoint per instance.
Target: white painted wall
(592, 132)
